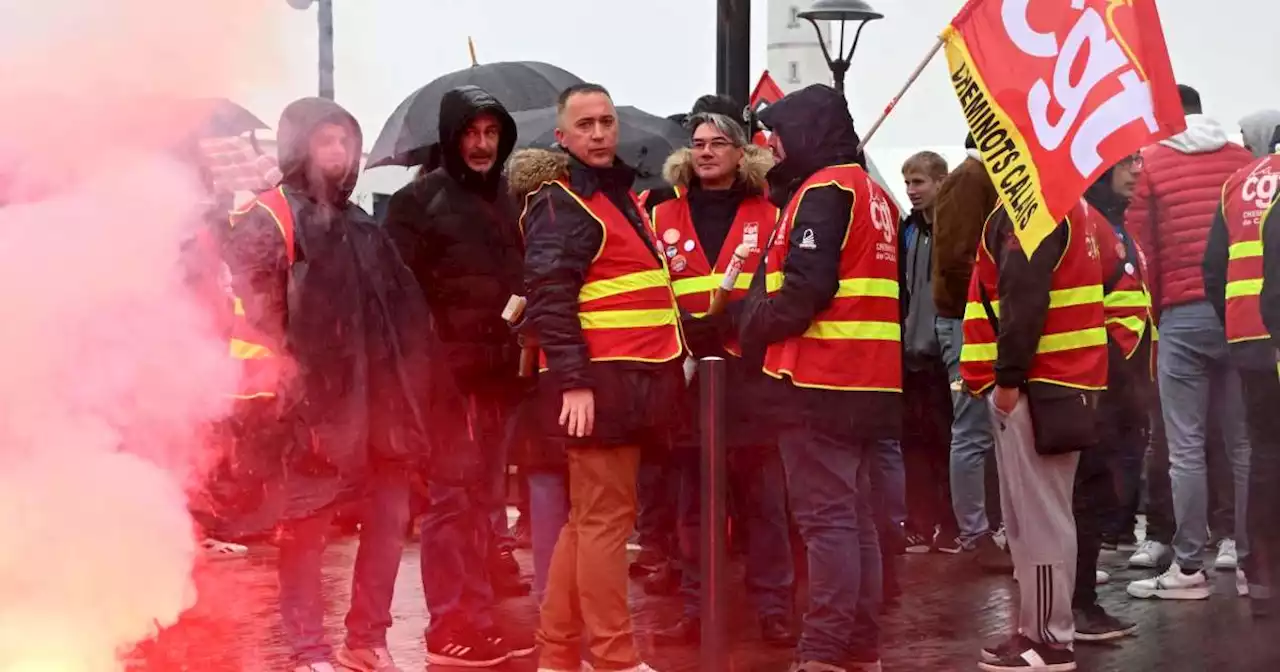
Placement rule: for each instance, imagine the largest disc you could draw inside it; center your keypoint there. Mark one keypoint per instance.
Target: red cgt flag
(1057, 91)
(766, 93)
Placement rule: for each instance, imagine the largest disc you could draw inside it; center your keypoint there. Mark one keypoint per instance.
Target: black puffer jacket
(635, 402)
(457, 231)
(816, 131)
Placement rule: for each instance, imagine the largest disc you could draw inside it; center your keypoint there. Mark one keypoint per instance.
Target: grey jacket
(915, 259)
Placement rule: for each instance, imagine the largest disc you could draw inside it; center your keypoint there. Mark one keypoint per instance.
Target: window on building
(794, 21)
(793, 72)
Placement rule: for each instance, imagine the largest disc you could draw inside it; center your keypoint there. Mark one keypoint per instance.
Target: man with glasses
(721, 203)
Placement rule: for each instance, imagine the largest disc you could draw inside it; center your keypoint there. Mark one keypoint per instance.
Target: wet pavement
(949, 609)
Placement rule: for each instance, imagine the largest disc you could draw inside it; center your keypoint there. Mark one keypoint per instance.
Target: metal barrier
(715, 614)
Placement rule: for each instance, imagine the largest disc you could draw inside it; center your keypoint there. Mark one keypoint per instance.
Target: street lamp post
(844, 11)
(325, 20)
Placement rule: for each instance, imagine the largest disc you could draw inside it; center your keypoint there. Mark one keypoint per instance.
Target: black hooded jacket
(347, 313)
(635, 402)
(457, 231)
(816, 131)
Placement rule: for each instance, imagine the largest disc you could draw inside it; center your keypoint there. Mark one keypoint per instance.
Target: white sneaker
(1172, 585)
(1242, 583)
(315, 667)
(1227, 557)
(1102, 578)
(642, 667)
(1150, 554)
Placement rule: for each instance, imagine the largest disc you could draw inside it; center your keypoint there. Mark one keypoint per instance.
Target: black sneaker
(465, 649)
(1003, 647)
(1031, 657)
(1096, 625)
(949, 544)
(917, 544)
(515, 644)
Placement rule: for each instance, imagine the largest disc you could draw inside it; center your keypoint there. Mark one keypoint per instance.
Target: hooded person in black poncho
(343, 420)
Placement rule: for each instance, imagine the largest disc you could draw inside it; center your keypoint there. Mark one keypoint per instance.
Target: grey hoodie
(1259, 129)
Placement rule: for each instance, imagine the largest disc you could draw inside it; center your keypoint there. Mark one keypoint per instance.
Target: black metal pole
(715, 615)
(733, 49)
(325, 20)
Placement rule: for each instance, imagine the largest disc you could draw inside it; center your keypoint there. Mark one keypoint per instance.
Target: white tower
(795, 59)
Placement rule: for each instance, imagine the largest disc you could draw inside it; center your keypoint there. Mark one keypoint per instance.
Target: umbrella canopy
(644, 140)
(220, 118)
(414, 126)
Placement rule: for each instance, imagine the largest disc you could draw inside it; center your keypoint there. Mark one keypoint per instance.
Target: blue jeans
(889, 494)
(971, 442)
(548, 511)
(302, 543)
(829, 482)
(756, 476)
(1196, 374)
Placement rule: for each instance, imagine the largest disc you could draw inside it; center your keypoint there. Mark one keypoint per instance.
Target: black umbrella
(414, 126)
(644, 140)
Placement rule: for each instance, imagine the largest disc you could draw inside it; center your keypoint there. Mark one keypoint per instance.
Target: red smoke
(112, 368)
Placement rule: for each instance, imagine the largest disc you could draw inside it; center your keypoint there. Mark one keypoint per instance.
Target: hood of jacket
(298, 121)
(816, 131)
(1103, 197)
(458, 107)
(1203, 135)
(530, 168)
(753, 169)
(1260, 129)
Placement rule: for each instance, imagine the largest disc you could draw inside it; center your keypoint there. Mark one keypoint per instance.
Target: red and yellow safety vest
(1072, 351)
(1247, 198)
(626, 306)
(693, 278)
(856, 342)
(1127, 301)
(260, 361)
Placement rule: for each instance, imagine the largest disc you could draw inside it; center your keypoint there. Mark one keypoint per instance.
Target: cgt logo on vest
(1261, 189)
(883, 219)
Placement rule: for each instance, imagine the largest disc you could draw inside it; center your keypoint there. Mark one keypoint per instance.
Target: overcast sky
(659, 55)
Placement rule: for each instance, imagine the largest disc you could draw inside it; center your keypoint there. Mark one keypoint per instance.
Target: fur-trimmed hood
(752, 169)
(528, 169)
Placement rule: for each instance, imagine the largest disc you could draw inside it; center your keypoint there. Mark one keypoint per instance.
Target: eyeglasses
(1132, 162)
(716, 145)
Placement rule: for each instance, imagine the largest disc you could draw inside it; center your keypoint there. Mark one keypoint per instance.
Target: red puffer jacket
(1174, 203)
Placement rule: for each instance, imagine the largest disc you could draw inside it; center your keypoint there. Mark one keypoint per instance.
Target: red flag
(767, 92)
(1057, 91)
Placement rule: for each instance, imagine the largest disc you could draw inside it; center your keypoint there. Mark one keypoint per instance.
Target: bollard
(715, 615)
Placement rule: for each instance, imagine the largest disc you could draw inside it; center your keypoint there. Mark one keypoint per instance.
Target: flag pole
(896, 99)
(471, 47)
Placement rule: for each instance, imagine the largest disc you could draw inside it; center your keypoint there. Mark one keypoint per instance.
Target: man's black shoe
(1096, 625)
(776, 631)
(465, 649)
(504, 572)
(687, 631)
(992, 558)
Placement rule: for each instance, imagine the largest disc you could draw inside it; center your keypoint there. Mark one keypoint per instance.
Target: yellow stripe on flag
(1005, 153)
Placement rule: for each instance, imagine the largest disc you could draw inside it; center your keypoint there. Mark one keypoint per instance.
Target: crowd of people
(895, 385)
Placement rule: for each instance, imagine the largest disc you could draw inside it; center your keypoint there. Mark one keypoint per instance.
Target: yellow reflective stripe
(1130, 298)
(707, 283)
(1243, 288)
(1058, 298)
(1049, 343)
(631, 282)
(255, 395)
(238, 307)
(868, 287)
(1135, 324)
(1245, 250)
(246, 350)
(702, 283)
(854, 330)
(627, 319)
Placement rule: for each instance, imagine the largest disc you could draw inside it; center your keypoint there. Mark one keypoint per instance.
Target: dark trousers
(1222, 489)
(926, 451)
(1093, 499)
(658, 492)
(1262, 408)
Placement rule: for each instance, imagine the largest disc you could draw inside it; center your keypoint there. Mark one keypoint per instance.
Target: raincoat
(349, 316)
